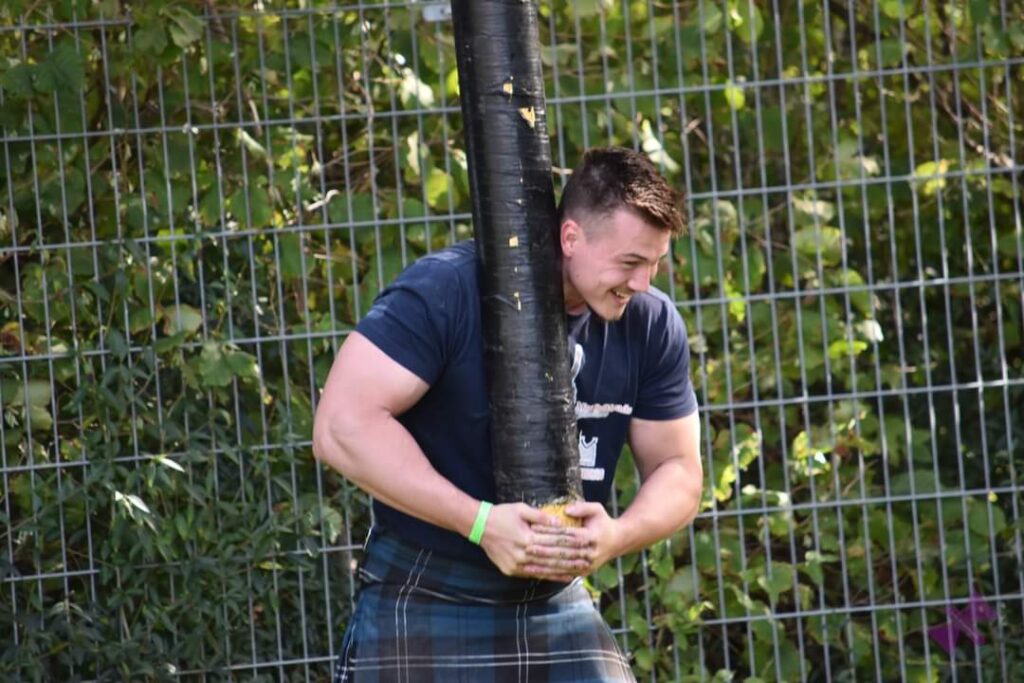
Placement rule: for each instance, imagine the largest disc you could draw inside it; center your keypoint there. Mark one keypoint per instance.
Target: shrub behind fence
(198, 203)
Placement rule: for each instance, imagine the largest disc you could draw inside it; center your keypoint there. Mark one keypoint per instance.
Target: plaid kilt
(420, 616)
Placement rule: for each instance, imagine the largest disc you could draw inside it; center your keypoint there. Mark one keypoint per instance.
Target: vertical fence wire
(199, 204)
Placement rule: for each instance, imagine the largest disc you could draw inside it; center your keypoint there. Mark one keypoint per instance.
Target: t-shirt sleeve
(665, 391)
(413, 319)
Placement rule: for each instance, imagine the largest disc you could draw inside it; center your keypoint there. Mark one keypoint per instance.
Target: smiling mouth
(620, 295)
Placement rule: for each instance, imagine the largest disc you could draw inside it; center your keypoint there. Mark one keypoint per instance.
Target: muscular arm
(667, 453)
(356, 433)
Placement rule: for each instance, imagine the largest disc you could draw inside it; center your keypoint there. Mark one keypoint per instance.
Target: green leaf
(243, 365)
(290, 248)
(333, 523)
(851, 162)
(588, 9)
(1010, 244)
(251, 145)
(362, 209)
(685, 582)
(17, 81)
(181, 318)
(734, 96)
(826, 240)
(745, 450)
(781, 579)
(439, 186)
(744, 599)
(451, 81)
(980, 11)
(165, 344)
(39, 393)
(150, 38)
(644, 658)
(891, 51)
(813, 565)
(746, 21)
(185, 27)
(169, 463)
(712, 17)
(822, 211)
(62, 70)
(213, 370)
(930, 185)
(923, 482)
(861, 298)
(977, 518)
(252, 209)
(270, 565)
(737, 306)
(748, 449)
(416, 156)
(894, 9)
(41, 419)
(182, 526)
(843, 348)
(130, 500)
(561, 54)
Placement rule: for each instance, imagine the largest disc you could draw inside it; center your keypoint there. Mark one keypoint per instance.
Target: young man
(404, 415)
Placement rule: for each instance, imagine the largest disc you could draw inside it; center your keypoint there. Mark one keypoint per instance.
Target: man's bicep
(655, 441)
(364, 378)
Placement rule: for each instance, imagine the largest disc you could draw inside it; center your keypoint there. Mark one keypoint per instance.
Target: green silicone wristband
(477, 533)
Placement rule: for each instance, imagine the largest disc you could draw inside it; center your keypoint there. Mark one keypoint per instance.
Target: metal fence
(198, 203)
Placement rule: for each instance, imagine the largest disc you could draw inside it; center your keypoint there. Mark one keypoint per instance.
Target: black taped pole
(533, 423)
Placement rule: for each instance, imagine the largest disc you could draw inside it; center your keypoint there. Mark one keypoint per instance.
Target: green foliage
(195, 210)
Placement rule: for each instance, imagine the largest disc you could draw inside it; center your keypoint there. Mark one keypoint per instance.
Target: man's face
(604, 266)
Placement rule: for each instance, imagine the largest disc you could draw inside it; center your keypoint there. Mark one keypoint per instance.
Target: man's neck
(574, 303)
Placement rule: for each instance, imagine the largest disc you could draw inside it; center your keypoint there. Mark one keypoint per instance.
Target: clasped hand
(523, 541)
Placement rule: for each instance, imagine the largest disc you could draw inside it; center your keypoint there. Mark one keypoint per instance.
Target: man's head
(616, 217)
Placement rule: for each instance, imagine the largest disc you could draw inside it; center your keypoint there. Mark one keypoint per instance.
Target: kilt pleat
(422, 617)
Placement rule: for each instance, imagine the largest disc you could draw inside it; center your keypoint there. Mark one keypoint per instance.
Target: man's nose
(641, 280)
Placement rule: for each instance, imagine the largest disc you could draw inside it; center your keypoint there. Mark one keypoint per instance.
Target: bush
(198, 207)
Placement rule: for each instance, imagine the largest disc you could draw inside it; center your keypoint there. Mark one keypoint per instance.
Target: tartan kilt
(421, 616)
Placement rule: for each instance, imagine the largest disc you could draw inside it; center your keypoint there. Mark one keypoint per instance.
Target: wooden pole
(533, 423)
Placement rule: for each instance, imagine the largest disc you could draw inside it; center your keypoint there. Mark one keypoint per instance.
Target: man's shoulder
(451, 264)
(652, 304)
(460, 256)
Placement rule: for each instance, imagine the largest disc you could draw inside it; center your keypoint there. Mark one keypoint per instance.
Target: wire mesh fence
(199, 202)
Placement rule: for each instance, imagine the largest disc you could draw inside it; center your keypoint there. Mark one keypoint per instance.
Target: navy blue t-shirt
(428, 321)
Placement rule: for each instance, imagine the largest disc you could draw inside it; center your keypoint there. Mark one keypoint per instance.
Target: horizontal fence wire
(199, 202)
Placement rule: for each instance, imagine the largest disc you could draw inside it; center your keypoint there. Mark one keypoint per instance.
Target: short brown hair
(610, 178)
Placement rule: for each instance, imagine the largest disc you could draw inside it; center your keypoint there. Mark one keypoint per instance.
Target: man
(404, 415)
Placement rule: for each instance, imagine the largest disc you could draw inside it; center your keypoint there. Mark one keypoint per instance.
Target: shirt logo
(588, 458)
(592, 410)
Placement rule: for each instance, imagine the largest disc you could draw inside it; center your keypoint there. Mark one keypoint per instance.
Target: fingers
(533, 516)
(568, 554)
(560, 531)
(583, 509)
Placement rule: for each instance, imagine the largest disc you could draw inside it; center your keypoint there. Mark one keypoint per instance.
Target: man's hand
(597, 542)
(513, 529)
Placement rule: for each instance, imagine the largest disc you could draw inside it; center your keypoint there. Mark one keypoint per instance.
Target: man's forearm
(667, 501)
(383, 459)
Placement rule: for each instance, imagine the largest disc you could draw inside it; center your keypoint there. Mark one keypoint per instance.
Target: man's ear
(570, 235)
